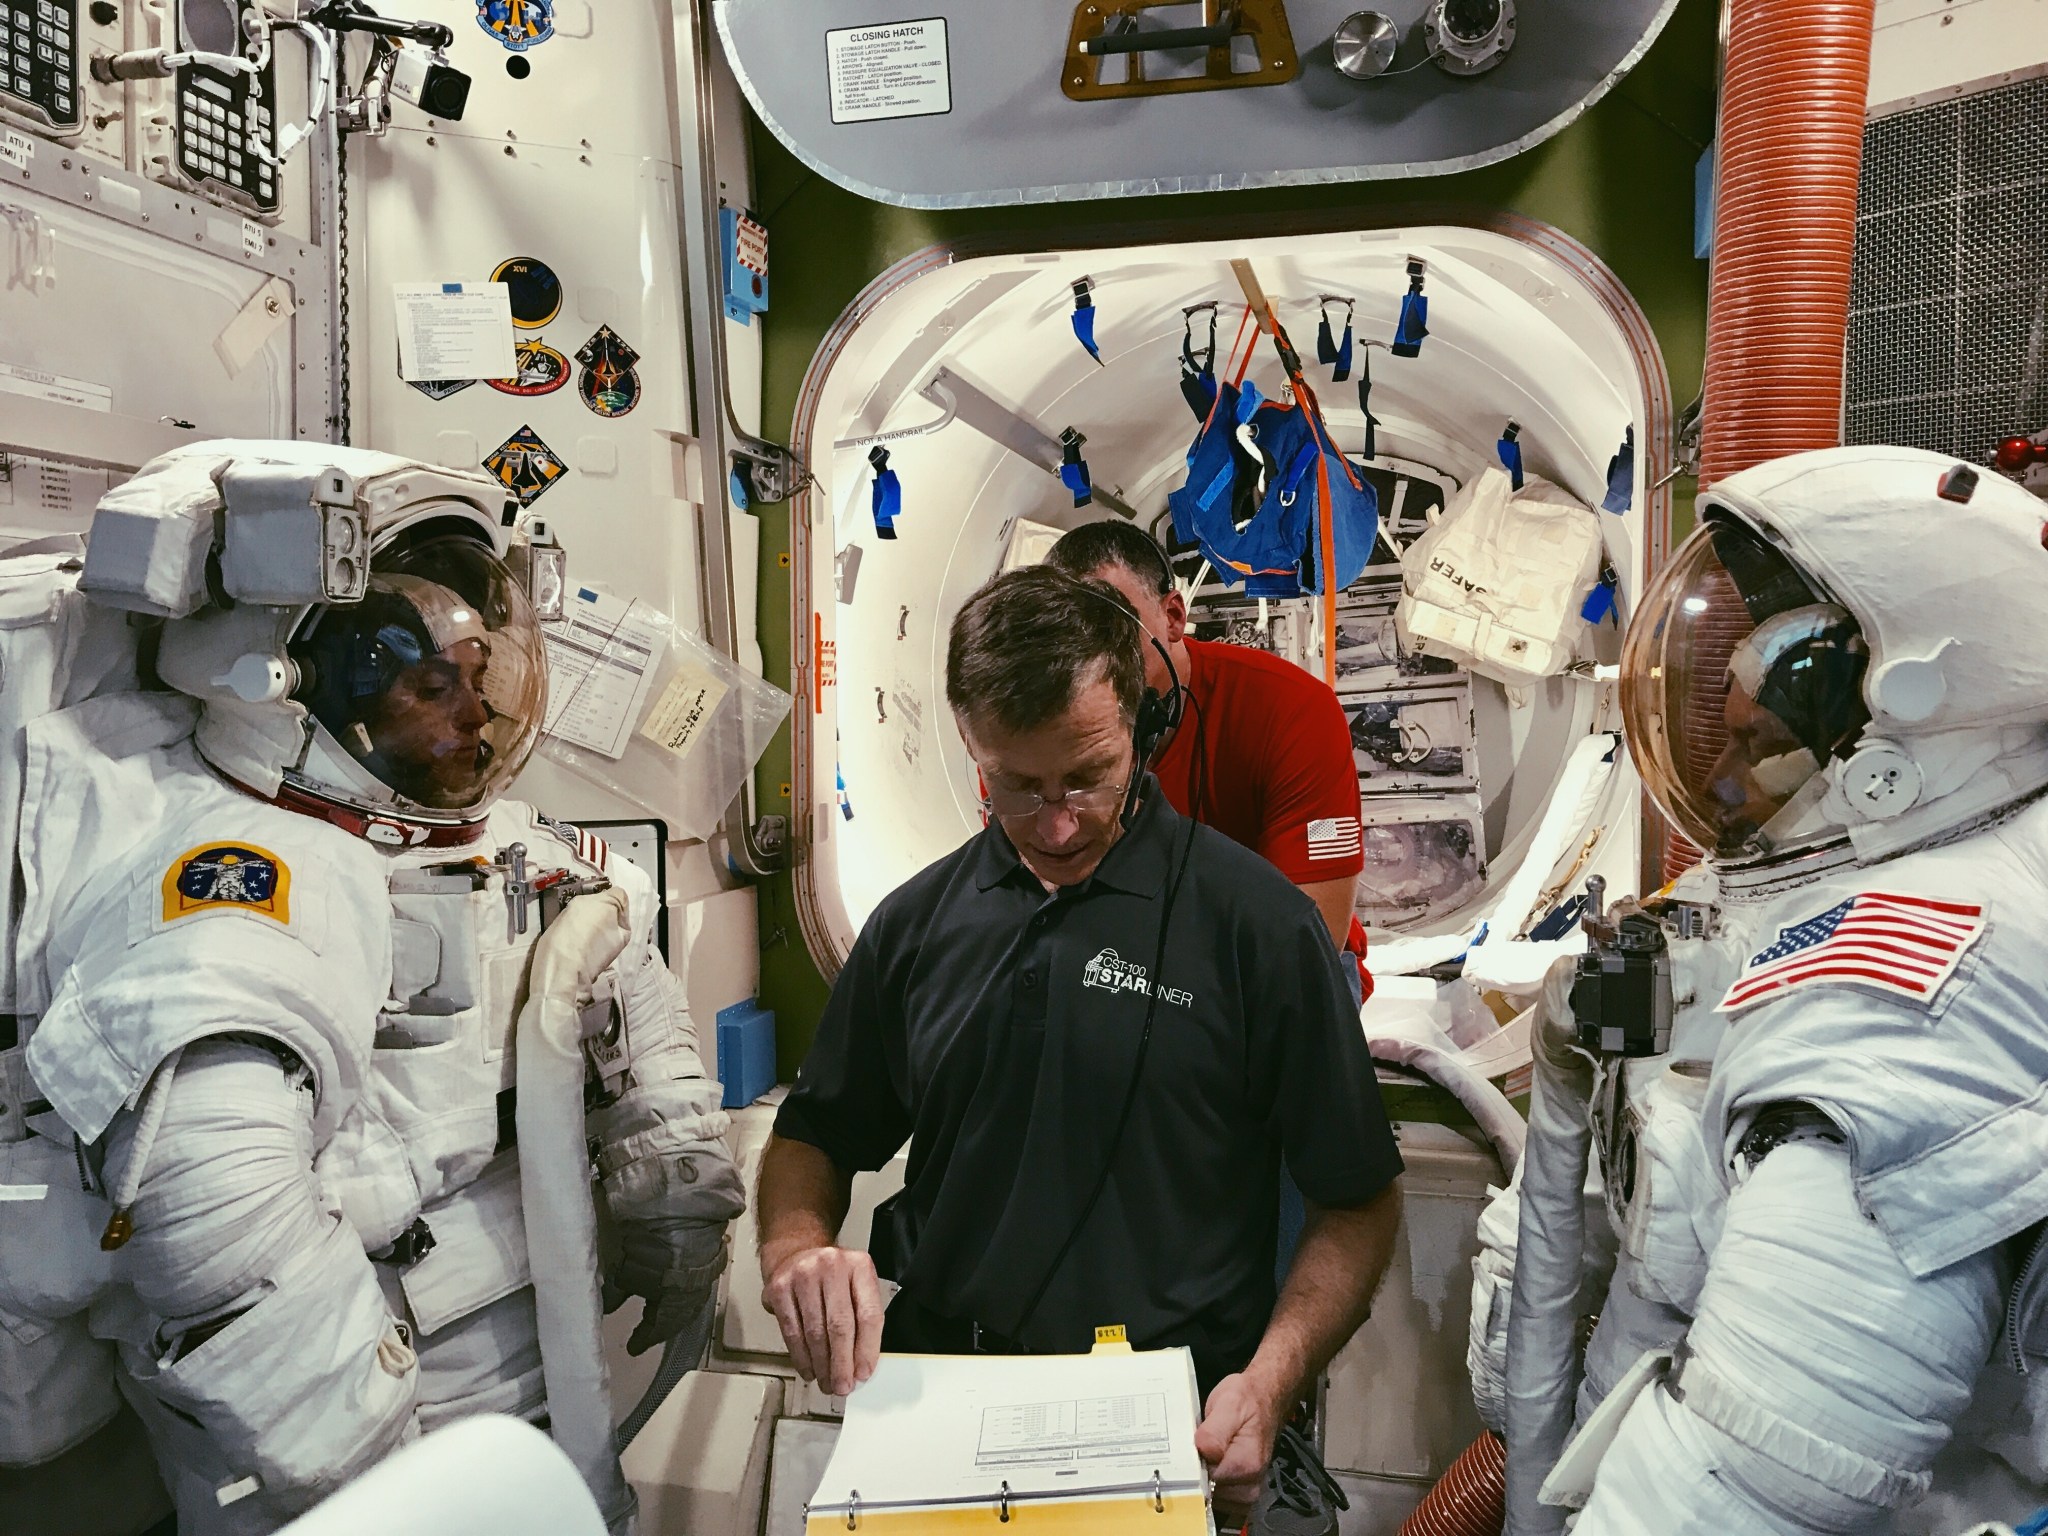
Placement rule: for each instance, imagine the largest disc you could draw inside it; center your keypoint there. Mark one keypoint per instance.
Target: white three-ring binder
(1101, 1444)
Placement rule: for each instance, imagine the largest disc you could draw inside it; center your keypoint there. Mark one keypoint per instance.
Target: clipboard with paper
(1101, 1444)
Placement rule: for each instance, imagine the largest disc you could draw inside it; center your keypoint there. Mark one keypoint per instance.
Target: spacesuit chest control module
(320, 1041)
(1809, 1072)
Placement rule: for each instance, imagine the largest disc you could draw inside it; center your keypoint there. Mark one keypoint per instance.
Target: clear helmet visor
(1738, 683)
(436, 683)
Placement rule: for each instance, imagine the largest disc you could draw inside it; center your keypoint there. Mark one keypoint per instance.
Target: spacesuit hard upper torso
(1925, 1312)
(378, 989)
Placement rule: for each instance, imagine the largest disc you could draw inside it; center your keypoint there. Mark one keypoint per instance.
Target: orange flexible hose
(1468, 1500)
(1789, 150)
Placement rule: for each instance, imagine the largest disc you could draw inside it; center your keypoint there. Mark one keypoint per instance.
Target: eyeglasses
(1024, 804)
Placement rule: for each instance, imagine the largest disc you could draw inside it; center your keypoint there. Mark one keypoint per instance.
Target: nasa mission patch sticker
(231, 875)
(517, 24)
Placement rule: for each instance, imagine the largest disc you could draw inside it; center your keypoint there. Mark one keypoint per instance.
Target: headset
(1157, 715)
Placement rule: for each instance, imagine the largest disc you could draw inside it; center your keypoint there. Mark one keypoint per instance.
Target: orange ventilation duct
(1790, 145)
(1468, 1500)
(1793, 92)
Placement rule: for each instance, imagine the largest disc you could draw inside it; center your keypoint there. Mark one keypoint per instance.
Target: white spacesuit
(326, 1037)
(1830, 1306)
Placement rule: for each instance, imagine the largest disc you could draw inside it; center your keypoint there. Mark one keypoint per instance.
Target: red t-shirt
(1269, 749)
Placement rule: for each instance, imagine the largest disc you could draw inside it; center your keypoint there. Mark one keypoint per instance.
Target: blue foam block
(746, 1052)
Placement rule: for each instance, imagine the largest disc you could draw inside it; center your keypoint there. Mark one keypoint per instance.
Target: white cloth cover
(1497, 582)
(487, 1476)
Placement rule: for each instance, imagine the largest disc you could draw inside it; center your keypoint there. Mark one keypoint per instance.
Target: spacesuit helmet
(1740, 682)
(433, 687)
(1849, 651)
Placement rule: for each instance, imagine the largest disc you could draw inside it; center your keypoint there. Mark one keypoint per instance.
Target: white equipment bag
(1497, 582)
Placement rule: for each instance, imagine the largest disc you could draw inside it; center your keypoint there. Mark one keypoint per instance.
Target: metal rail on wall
(757, 845)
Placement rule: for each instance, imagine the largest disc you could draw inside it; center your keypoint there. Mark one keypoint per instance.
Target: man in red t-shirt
(1262, 753)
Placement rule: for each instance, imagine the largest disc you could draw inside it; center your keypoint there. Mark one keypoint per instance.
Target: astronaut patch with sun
(232, 875)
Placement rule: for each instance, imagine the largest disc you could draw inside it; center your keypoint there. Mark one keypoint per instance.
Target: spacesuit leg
(276, 1372)
(1822, 1377)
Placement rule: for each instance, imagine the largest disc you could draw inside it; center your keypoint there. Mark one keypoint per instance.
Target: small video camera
(431, 83)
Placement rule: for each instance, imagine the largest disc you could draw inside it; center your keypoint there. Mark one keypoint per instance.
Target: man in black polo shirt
(1100, 1027)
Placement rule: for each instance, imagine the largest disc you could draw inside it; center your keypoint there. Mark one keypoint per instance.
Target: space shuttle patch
(239, 876)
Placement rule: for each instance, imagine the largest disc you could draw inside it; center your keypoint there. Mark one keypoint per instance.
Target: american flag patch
(1906, 945)
(1335, 837)
(592, 849)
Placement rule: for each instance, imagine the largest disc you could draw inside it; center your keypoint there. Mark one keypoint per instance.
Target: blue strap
(1413, 326)
(1219, 485)
(1248, 400)
(1297, 470)
(1621, 474)
(1326, 344)
(1074, 468)
(1198, 367)
(1599, 602)
(1372, 422)
(1343, 369)
(885, 495)
(1075, 477)
(1084, 317)
(1510, 450)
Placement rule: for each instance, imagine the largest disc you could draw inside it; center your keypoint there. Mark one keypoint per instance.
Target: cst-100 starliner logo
(1111, 972)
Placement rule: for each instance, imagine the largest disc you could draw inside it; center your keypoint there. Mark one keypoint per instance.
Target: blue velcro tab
(1510, 451)
(1621, 474)
(1599, 603)
(1074, 469)
(1703, 221)
(1084, 317)
(845, 805)
(1084, 328)
(886, 494)
(1561, 921)
(1075, 477)
(1414, 325)
(746, 1052)
(736, 483)
(1372, 422)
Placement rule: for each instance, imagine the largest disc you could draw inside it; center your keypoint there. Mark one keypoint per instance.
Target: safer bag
(1498, 582)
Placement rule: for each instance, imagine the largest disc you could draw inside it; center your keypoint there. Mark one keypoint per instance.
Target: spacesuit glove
(673, 1265)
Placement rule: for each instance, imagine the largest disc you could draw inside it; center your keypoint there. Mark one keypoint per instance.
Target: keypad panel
(39, 59)
(226, 125)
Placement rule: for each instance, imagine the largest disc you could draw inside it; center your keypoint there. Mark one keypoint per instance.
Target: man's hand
(1236, 1439)
(829, 1304)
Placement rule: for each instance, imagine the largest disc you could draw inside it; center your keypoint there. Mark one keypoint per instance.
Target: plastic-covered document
(641, 706)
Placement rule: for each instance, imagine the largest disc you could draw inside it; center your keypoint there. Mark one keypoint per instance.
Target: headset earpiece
(1158, 714)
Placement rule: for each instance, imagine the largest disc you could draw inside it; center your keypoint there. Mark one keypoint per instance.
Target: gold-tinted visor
(436, 682)
(1738, 683)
